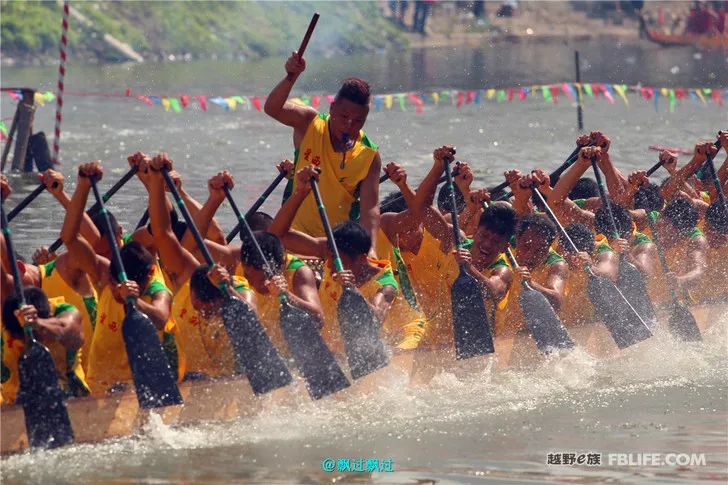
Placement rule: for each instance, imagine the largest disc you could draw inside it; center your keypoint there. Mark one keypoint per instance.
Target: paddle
(258, 203)
(25, 202)
(630, 280)
(714, 175)
(682, 323)
(365, 352)
(95, 208)
(255, 355)
(624, 324)
(46, 418)
(313, 358)
(471, 329)
(154, 379)
(304, 42)
(144, 219)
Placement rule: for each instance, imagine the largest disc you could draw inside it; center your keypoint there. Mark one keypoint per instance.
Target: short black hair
(717, 217)
(581, 235)
(585, 188)
(500, 219)
(355, 90)
(682, 215)
(258, 221)
(649, 197)
(393, 202)
(178, 227)
(622, 218)
(351, 239)
(98, 220)
(540, 223)
(137, 262)
(203, 287)
(33, 296)
(271, 247)
(443, 199)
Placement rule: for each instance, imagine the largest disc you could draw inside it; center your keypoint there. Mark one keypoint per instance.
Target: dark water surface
(484, 428)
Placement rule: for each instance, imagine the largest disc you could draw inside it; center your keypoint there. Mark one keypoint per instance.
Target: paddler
(713, 286)
(108, 364)
(335, 143)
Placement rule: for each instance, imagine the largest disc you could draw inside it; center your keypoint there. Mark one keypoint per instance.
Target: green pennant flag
(400, 98)
(306, 100)
(546, 94)
(672, 101)
(707, 91)
(48, 96)
(239, 100)
(174, 103)
(3, 128)
(501, 95)
(588, 90)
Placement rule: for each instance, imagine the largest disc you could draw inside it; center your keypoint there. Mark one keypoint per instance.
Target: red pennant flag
(256, 103)
(461, 98)
(522, 94)
(717, 96)
(14, 95)
(330, 98)
(315, 101)
(417, 102)
(184, 100)
(146, 100)
(567, 92)
(681, 93)
(127, 93)
(646, 93)
(471, 97)
(554, 93)
(510, 94)
(202, 101)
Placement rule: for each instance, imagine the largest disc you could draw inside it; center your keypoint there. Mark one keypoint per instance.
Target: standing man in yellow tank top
(335, 143)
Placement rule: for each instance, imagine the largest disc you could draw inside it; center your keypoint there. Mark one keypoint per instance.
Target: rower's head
(716, 224)
(139, 266)
(495, 229)
(677, 221)
(444, 202)
(535, 234)
(205, 297)
(102, 247)
(350, 109)
(585, 188)
(622, 219)
(581, 236)
(33, 296)
(254, 267)
(649, 198)
(353, 243)
(258, 221)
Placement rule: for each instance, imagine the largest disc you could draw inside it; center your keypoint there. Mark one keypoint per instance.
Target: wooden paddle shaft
(714, 175)
(338, 265)
(304, 42)
(605, 199)
(258, 203)
(25, 202)
(17, 282)
(242, 223)
(115, 255)
(453, 206)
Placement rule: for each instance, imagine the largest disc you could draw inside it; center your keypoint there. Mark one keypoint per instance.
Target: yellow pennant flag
(166, 104)
(489, 93)
(700, 95)
(388, 101)
(39, 99)
(620, 90)
(232, 104)
(436, 97)
(665, 92)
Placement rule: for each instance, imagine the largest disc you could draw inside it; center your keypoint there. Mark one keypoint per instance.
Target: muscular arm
(304, 293)
(280, 109)
(606, 264)
(204, 217)
(382, 301)
(554, 288)
(496, 285)
(295, 241)
(698, 262)
(158, 310)
(64, 328)
(369, 202)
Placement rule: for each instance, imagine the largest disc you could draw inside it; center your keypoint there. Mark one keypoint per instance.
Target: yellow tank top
(679, 262)
(339, 186)
(67, 362)
(576, 308)
(204, 340)
(330, 292)
(53, 284)
(108, 361)
(714, 284)
(512, 320)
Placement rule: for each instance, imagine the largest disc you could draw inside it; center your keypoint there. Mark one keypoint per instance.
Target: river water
(495, 428)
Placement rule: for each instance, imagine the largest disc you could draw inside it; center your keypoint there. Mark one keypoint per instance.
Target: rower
(196, 287)
(713, 286)
(373, 278)
(337, 145)
(108, 363)
(56, 324)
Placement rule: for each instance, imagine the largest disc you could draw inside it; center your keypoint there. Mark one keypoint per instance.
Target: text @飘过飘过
(626, 459)
(357, 465)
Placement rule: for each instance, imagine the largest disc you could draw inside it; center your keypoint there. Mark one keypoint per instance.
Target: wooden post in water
(9, 141)
(579, 115)
(26, 110)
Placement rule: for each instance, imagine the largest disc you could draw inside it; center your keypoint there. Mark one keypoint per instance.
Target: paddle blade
(153, 378)
(313, 358)
(611, 308)
(545, 326)
(471, 330)
(255, 355)
(365, 352)
(46, 417)
(682, 324)
(632, 284)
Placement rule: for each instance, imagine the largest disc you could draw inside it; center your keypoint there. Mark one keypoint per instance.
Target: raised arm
(395, 223)
(54, 185)
(369, 201)
(676, 181)
(280, 109)
(295, 241)
(425, 194)
(204, 215)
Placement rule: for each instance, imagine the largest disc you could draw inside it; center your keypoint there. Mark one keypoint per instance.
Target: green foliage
(31, 29)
